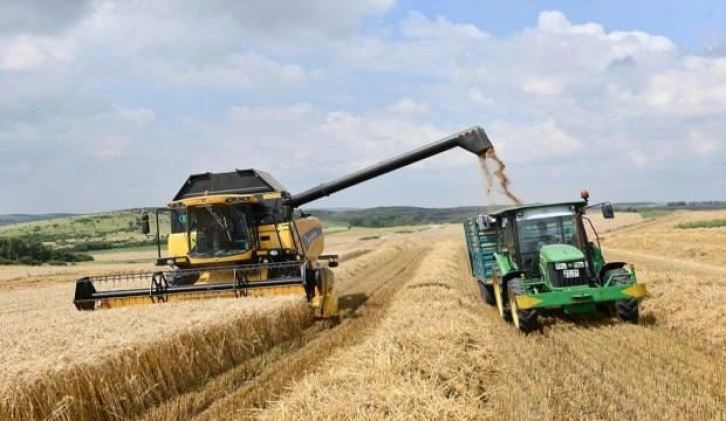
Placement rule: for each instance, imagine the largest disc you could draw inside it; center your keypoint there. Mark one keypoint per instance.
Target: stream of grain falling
(499, 173)
(488, 179)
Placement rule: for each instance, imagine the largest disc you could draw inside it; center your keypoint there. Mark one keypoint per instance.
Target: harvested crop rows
(602, 369)
(430, 357)
(135, 370)
(415, 341)
(414, 366)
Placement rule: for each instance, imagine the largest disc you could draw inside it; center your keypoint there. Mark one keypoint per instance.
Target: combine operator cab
(537, 258)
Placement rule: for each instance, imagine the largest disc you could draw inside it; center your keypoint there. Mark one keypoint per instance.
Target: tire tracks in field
(658, 261)
(253, 384)
(659, 376)
(593, 367)
(380, 283)
(647, 223)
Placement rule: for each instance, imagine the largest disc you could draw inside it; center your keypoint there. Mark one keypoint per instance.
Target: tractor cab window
(537, 233)
(217, 231)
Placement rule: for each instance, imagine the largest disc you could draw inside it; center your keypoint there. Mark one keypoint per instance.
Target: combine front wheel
(524, 320)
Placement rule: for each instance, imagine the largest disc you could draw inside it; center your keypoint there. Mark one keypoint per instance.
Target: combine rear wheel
(524, 320)
(501, 305)
(627, 309)
(487, 293)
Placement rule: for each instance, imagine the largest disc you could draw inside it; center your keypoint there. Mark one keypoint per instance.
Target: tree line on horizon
(14, 250)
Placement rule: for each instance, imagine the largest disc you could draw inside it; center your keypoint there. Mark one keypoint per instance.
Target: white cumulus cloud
(313, 90)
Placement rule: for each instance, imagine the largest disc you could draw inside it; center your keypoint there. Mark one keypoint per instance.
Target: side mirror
(333, 261)
(483, 222)
(607, 211)
(145, 229)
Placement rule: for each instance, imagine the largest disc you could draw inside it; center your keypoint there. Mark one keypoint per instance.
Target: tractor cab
(531, 234)
(551, 240)
(542, 232)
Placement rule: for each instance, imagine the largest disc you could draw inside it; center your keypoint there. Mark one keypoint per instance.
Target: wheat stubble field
(415, 341)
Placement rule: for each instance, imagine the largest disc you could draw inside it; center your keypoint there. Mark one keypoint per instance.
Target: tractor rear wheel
(487, 293)
(502, 306)
(626, 309)
(523, 319)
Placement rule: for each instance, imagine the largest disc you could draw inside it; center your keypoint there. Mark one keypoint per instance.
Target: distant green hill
(120, 228)
(80, 233)
(16, 218)
(389, 216)
(84, 232)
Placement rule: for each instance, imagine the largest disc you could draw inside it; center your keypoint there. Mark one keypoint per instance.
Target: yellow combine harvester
(234, 234)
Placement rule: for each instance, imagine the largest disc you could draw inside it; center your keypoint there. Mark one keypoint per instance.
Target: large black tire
(487, 293)
(627, 309)
(525, 320)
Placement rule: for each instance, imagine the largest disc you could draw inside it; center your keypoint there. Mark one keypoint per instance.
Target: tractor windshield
(538, 232)
(217, 231)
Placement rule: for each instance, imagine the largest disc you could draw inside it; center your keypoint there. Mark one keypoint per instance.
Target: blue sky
(110, 104)
(693, 24)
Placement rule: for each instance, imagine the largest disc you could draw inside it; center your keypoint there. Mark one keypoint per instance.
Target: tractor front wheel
(499, 299)
(626, 309)
(523, 319)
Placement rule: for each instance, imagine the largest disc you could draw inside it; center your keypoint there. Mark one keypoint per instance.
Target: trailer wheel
(524, 319)
(626, 309)
(487, 293)
(501, 305)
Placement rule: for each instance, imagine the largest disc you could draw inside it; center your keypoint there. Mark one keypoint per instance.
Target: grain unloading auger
(234, 234)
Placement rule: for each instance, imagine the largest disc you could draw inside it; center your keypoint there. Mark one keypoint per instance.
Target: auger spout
(474, 139)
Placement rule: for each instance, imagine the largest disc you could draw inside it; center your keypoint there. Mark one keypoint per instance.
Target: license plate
(571, 273)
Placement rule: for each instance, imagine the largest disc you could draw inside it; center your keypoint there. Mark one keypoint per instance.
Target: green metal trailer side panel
(481, 246)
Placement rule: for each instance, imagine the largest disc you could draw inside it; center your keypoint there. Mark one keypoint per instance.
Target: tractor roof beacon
(535, 259)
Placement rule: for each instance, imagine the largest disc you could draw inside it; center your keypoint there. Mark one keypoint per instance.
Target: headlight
(578, 265)
(274, 252)
(560, 266)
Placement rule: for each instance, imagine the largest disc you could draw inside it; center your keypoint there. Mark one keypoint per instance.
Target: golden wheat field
(414, 341)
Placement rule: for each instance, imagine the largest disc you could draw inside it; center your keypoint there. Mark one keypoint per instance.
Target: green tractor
(536, 259)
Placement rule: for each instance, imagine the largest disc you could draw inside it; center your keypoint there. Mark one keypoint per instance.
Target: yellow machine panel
(310, 233)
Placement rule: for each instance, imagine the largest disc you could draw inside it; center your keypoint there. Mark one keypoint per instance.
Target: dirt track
(589, 367)
(364, 289)
(599, 369)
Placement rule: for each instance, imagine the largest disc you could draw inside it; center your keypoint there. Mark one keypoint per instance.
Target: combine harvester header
(234, 234)
(536, 259)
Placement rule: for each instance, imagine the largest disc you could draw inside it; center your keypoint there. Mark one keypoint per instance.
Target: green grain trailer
(533, 259)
